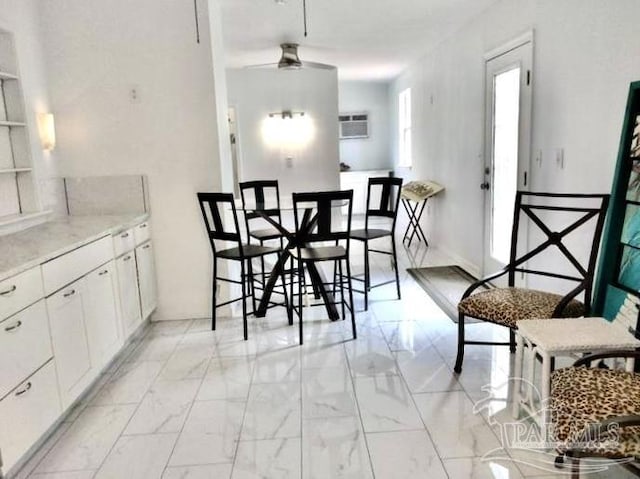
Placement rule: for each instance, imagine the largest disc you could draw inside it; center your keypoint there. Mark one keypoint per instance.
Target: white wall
(96, 52)
(257, 92)
(371, 153)
(585, 56)
(21, 18)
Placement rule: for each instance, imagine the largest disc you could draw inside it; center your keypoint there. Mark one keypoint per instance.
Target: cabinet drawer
(24, 345)
(27, 413)
(71, 266)
(142, 232)
(123, 242)
(20, 291)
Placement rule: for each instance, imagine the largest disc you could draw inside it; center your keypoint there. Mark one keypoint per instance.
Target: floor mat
(445, 285)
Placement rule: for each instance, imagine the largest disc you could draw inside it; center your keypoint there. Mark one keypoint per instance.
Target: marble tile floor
(185, 402)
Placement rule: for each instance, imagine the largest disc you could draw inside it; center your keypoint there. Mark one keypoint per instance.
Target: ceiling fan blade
(319, 66)
(262, 65)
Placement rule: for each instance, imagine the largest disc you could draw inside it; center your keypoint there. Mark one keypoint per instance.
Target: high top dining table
(294, 239)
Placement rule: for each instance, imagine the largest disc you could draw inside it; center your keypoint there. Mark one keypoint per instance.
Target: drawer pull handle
(8, 291)
(124, 235)
(143, 225)
(24, 389)
(147, 246)
(126, 258)
(102, 273)
(70, 293)
(13, 327)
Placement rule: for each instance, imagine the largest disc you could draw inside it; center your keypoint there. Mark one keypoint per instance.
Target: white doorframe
(517, 53)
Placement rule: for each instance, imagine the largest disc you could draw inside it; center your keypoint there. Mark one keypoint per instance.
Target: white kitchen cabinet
(20, 291)
(27, 412)
(101, 315)
(146, 279)
(61, 323)
(69, 338)
(129, 293)
(25, 345)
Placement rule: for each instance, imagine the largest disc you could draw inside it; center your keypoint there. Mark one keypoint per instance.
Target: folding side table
(414, 198)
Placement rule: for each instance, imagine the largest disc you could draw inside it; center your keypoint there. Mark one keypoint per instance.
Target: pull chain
(304, 10)
(195, 12)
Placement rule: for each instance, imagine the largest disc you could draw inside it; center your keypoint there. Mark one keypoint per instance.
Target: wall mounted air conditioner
(354, 125)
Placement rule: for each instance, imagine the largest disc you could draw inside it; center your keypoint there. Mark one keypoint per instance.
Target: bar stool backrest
(263, 195)
(383, 198)
(324, 209)
(213, 207)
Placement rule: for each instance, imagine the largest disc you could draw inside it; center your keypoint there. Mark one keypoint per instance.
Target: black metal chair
(505, 306)
(595, 413)
(264, 196)
(386, 191)
(316, 223)
(213, 207)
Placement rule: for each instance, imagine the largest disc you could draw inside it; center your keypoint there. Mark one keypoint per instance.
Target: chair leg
(395, 264)
(350, 286)
(575, 468)
(286, 299)
(262, 268)
(244, 300)
(214, 294)
(252, 289)
(341, 279)
(512, 341)
(301, 285)
(460, 357)
(366, 275)
(291, 291)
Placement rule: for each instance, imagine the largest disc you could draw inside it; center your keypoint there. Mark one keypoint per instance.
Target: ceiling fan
(289, 60)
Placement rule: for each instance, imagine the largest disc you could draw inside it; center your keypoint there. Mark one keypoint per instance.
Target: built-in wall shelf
(7, 76)
(12, 123)
(8, 171)
(19, 199)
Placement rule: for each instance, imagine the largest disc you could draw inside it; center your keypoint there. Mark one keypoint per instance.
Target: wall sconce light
(46, 127)
(288, 129)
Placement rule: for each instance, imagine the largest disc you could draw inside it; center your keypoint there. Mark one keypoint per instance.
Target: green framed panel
(618, 278)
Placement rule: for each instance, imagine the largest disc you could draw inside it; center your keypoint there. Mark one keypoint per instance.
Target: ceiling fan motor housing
(289, 57)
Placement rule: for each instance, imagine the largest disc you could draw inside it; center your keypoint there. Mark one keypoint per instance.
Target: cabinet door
(146, 279)
(101, 315)
(129, 295)
(69, 339)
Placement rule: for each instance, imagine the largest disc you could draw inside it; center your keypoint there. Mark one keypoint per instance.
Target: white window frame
(405, 159)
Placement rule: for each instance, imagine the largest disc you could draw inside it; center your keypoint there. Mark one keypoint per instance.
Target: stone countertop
(33, 246)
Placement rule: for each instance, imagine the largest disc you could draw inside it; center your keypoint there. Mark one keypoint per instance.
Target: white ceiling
(365, 39)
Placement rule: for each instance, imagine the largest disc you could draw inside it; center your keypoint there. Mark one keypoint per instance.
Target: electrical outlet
(288, 161)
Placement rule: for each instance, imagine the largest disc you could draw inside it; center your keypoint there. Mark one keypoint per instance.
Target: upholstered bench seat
(505, 306)
(583, 396)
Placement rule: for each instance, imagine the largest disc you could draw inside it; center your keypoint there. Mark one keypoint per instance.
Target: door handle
(485, 186)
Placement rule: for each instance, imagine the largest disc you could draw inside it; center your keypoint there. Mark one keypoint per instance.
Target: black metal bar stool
(213, 207)
(386, 191)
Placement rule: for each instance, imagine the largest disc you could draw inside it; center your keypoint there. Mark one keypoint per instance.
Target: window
(404, 127)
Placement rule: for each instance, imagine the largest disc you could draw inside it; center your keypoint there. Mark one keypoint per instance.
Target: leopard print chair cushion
(583, 396)
(505, 306)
